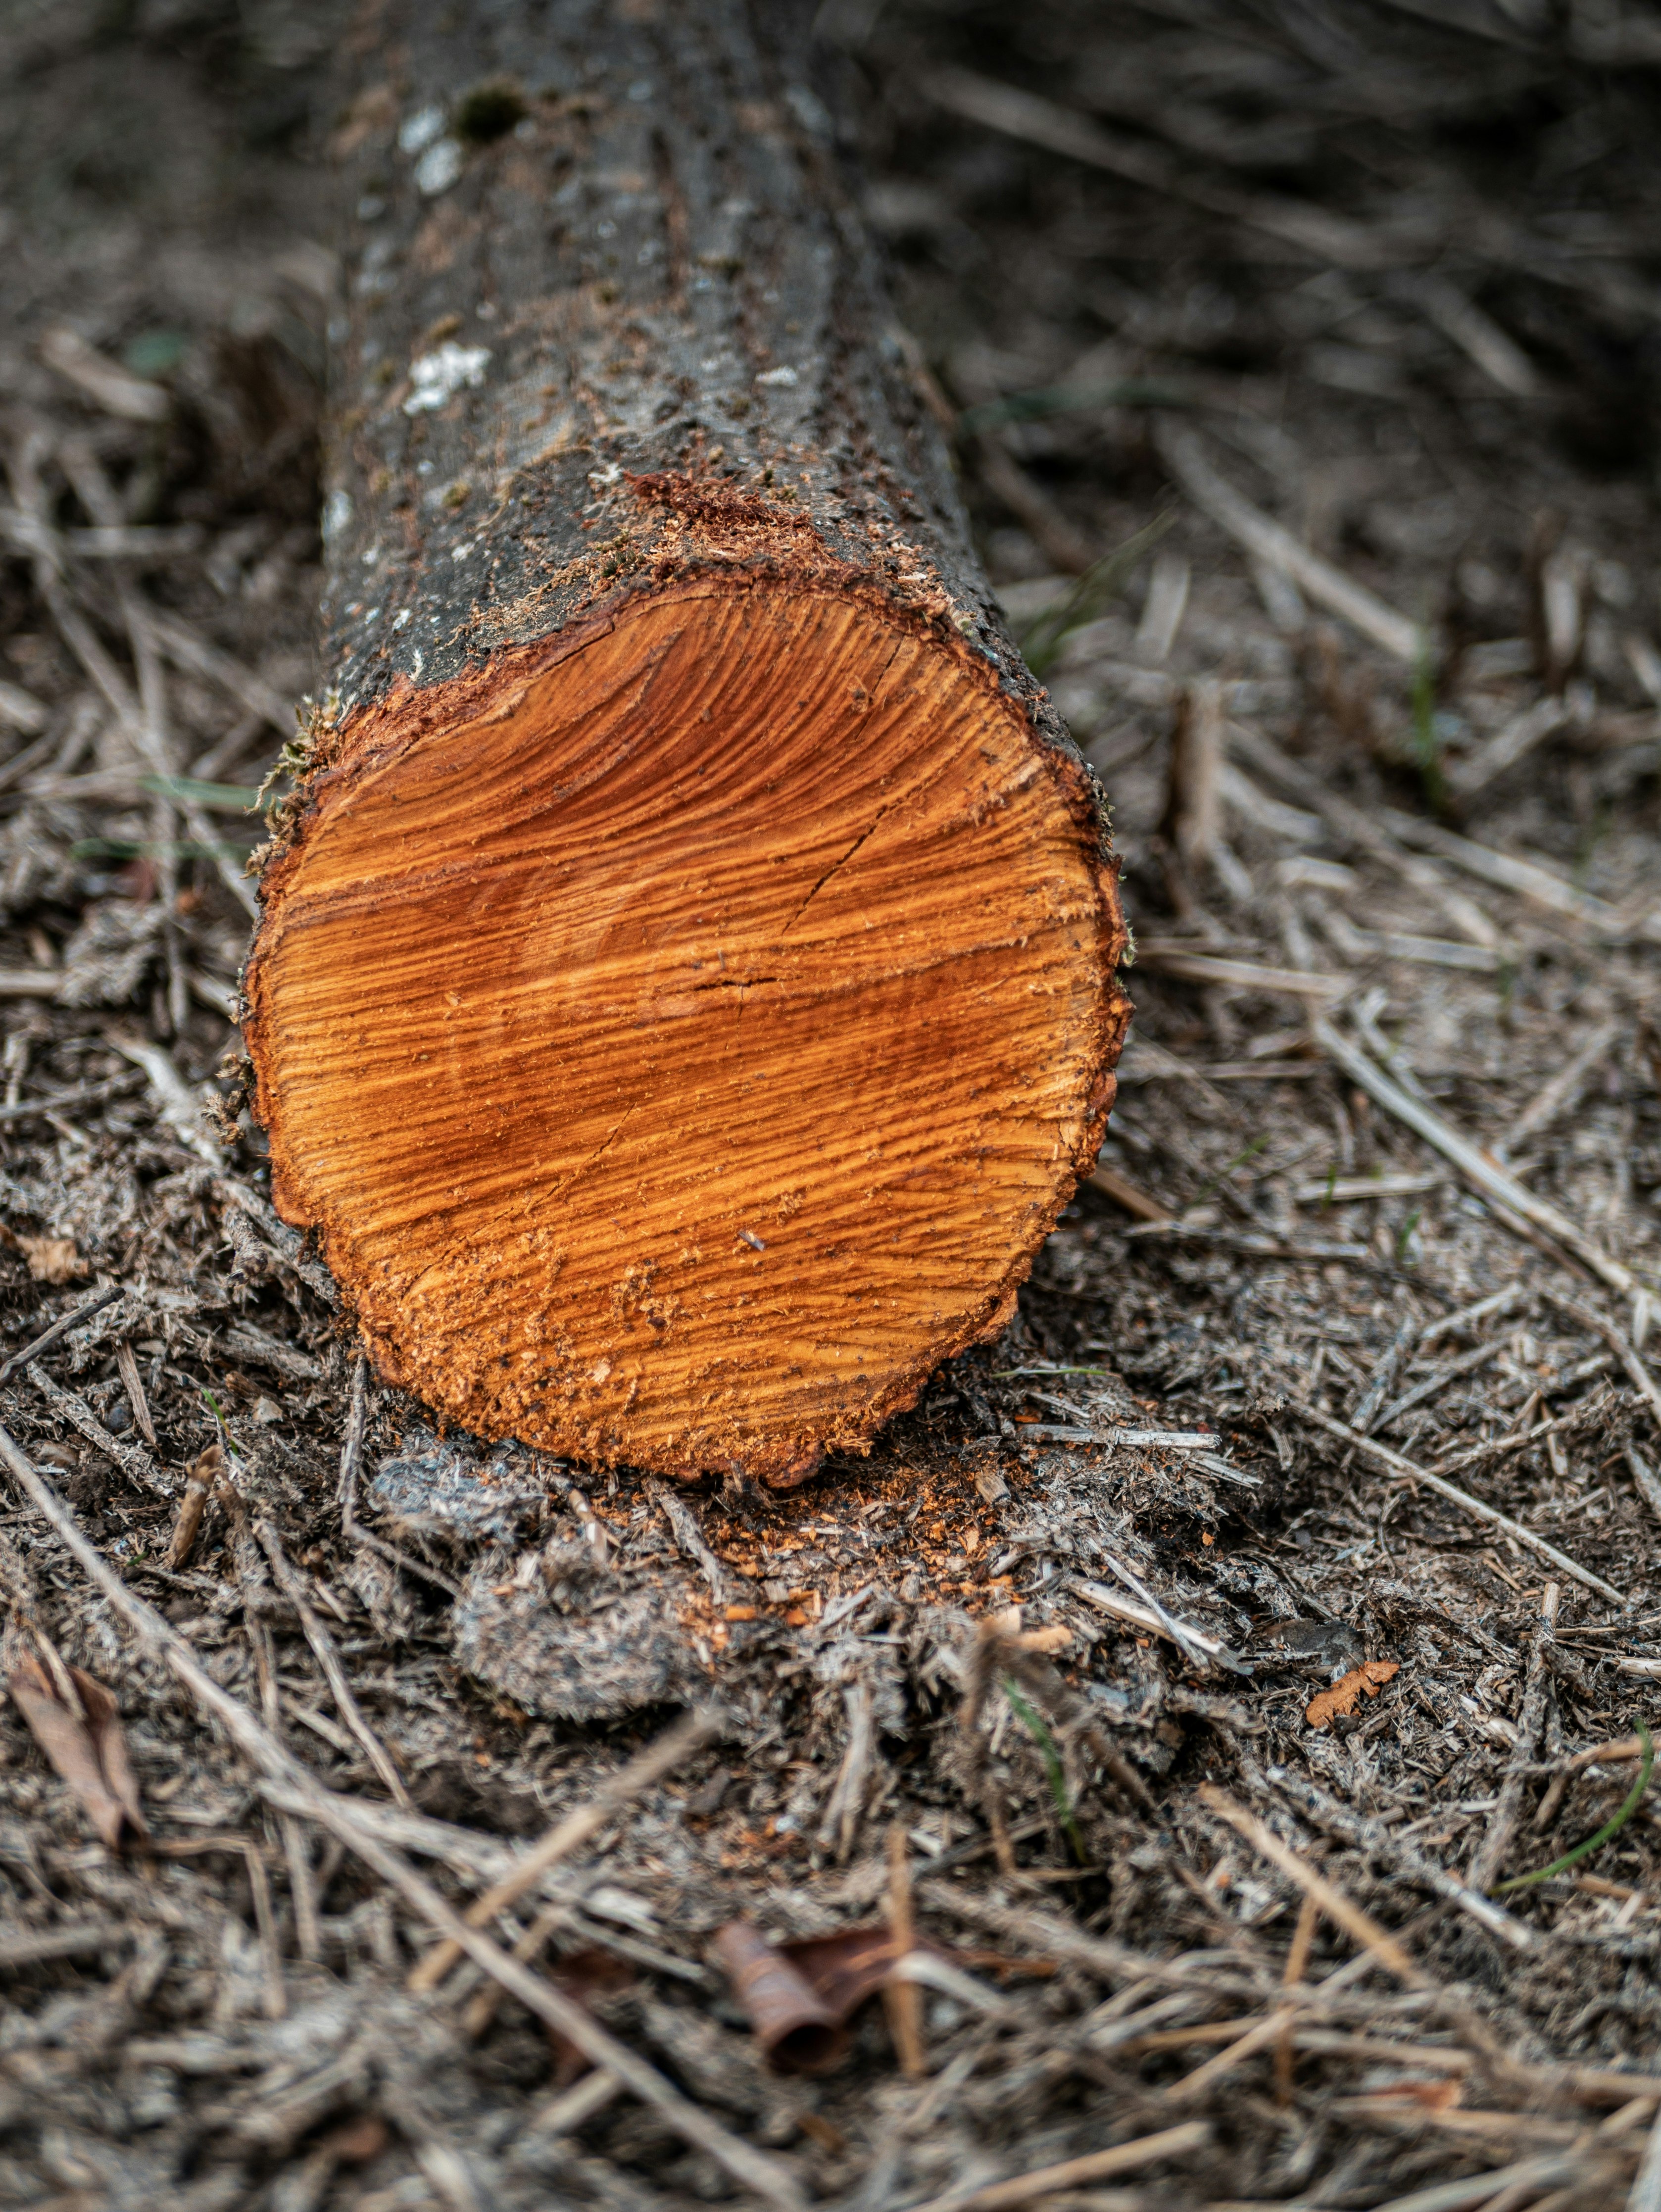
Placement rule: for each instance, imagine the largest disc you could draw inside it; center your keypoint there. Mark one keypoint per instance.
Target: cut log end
(682, 1033)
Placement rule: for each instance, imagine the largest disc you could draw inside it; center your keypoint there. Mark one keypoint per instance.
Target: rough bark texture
(684, 997)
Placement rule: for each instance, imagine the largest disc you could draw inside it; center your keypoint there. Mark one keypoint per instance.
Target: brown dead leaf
(51, 1259)
(583, 1976)
(199, 1485)
(84, 1742)
(1366, 1680)
(799, 1995)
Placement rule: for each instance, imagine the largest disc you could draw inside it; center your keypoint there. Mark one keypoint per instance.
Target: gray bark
(656, 273)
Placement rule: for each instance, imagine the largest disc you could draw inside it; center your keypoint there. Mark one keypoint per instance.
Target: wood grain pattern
(683, 1055)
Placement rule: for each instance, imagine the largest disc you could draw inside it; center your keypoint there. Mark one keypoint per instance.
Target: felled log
(685, 994)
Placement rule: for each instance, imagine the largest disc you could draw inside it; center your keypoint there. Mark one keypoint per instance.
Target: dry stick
(1480, 2188)
(83, 1094)
(60, 1329)
(1405, 1470)
(1509, 745)
(171, 1094)
(1199, 2082)
(1170, 956)
(573, 1831)
(1184, 455)
(134, 1461)
(1578, 1417)
(292, 1783)
(1467, 1317)
(1527, 879)
(901, 2000)
(127, 1366)
(1495, 1184)
(1645, 2195)
(1075, 2172)
(302, 1892)
(1465, 1363)
(293, 1587)
(1508, 1806)
(481, 2011)
(1332, 1900)
(1040, 122)
(1383, 1378)
(1550, 1100)
(1401, 1859)
(1297, 1965)
(1619, 1345)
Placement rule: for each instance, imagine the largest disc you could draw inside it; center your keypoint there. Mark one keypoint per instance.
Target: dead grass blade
(1500, 1189)
(1406, 1470)
(1331, 1898)
(574, 1829)
(749, 2167)
(1077, 2172)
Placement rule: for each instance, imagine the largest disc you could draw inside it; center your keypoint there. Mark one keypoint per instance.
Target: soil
(1305, 1394)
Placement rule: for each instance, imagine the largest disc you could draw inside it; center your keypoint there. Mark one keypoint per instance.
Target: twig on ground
(1076, 2173)
(901, 2000)
(574, 1829)
(1406, 1470)
(1331, 1899)
(1553, 1099)
(134, 1461)
(54, 1335)
(1500, 1188)
(171, 1094)
(1400, 1857)
(1297, 1967)
(1508, 1806)
(274, 1765)
(1266, 540)
(1619, 1345)
(293, 1587)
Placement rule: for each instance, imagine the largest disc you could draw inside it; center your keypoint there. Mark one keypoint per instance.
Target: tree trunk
(684, 996)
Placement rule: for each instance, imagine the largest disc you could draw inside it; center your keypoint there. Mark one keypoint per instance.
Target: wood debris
(1365, 1680)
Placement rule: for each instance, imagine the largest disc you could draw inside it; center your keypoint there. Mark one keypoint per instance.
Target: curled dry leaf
(801, 1995)
(583, 1976)
(84, 1742)
(205, 1473)
(1366, 1680)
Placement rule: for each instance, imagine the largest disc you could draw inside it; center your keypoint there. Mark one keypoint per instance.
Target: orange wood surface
(685, 1048)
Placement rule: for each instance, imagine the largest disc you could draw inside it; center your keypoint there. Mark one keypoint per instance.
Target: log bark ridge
(685, 994)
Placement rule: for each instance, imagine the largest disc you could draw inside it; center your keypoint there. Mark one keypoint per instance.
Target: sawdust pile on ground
(1342, 323)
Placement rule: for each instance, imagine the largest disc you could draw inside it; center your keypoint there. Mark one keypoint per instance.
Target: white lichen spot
(418, 131)
(400, 618)
(777, 376)
(336, 514)
(439, 167)
(435, 378)
(600, 1372)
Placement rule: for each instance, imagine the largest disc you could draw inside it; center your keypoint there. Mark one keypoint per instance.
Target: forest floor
(1302, 358)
